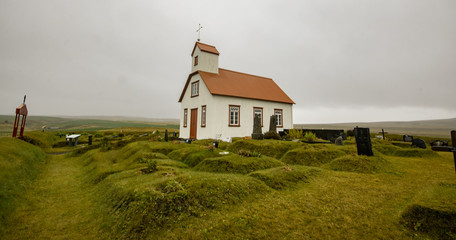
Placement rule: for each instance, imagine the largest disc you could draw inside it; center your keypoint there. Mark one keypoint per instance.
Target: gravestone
(166, 135)
(174, 134)
(257, 134)
(407, 138)
(90, 139)
(363, 141)
(339, 141)
(419, 143)
(273, 124)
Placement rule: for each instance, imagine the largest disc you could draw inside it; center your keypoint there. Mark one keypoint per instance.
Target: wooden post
(383, 133)
(453, 143)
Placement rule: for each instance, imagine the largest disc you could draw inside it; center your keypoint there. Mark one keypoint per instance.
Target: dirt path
(56, 207)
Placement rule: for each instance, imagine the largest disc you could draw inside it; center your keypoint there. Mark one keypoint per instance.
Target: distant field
(64, 124)
(438, 128)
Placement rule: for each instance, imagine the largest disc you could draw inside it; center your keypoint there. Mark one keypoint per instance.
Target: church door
(193, 123)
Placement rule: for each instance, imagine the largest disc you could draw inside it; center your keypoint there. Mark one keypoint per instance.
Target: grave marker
(363, 141)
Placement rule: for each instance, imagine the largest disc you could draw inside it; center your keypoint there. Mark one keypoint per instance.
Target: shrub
(151, 166)
(295, 133)
(247, 153)
(272, 135)
(310, 137)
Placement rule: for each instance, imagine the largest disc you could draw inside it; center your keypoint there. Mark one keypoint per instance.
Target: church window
(195, 61)
(234, 116)
(185, 117)
(195, 89)
(279, 117)
(203, 116)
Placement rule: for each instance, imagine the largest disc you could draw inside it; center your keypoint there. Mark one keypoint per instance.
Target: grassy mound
(141, 204)
(192, 156)
(361, 164)
(285, 177)
(43, 139)
(312, 156)
(392, 150)
(237, 164)
(20, 163)
(133, 156)
(271, 148)
(434, 213)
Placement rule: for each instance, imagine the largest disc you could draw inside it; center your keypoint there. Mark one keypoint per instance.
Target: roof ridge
(205, 44)
(245, 73)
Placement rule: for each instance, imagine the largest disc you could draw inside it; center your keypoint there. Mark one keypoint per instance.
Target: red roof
(205, 48)
(236, 84)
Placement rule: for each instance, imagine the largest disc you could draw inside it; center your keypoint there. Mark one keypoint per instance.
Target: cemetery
(150, 184)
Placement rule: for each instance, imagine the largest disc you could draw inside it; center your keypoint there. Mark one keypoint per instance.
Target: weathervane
(199, 31)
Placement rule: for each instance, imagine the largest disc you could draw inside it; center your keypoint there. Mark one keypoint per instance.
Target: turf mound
(138, 210)
(192, 156)
(361, 164)
(434, 213)
(20, 163)
(392, 150)
(271, 148)
(312, 156)
(237, 164)
(285, 177)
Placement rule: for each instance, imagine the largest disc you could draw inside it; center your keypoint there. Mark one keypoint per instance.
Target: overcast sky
(339, 60)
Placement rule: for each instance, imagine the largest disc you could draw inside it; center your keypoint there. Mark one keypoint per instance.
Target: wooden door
(193, 123)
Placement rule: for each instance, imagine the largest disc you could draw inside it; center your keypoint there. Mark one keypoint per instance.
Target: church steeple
(205, 58)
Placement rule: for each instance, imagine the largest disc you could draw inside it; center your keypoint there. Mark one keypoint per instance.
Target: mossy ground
(285, 191)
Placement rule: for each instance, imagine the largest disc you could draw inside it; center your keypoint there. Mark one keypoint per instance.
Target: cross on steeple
(199, 31)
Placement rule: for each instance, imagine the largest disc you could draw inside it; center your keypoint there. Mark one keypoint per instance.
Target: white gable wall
(217, 113)
(207, 62)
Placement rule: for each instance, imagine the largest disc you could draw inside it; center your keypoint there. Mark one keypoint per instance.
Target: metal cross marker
(449, 149)
(199, 31)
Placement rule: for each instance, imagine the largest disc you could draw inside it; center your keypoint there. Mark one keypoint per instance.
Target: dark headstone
(215, 144)
(419, 143)
(339, 141)
(438, 143)
(273, 124)
(174, 134)
(363, 141)
(166, 135)
(257, 134)
(90, 139)
(407, 138)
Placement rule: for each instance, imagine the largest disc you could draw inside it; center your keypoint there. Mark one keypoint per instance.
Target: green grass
(20, 164)
(312, 156)
(325, 192)
(237, 164)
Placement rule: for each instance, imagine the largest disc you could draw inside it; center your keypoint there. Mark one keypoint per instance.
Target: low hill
(79, 123)
(440, 128)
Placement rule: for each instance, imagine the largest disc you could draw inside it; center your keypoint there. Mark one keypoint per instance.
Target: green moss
(237, 164)
(312, 156)
(285, 176)
(361, 164)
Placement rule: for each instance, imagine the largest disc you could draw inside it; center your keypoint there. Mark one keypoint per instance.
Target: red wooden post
(21, 110)
(453, 143)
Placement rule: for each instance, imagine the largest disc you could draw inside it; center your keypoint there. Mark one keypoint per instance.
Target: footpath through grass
(57, 206)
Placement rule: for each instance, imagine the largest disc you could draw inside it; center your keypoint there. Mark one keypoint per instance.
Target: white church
(217, 103)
